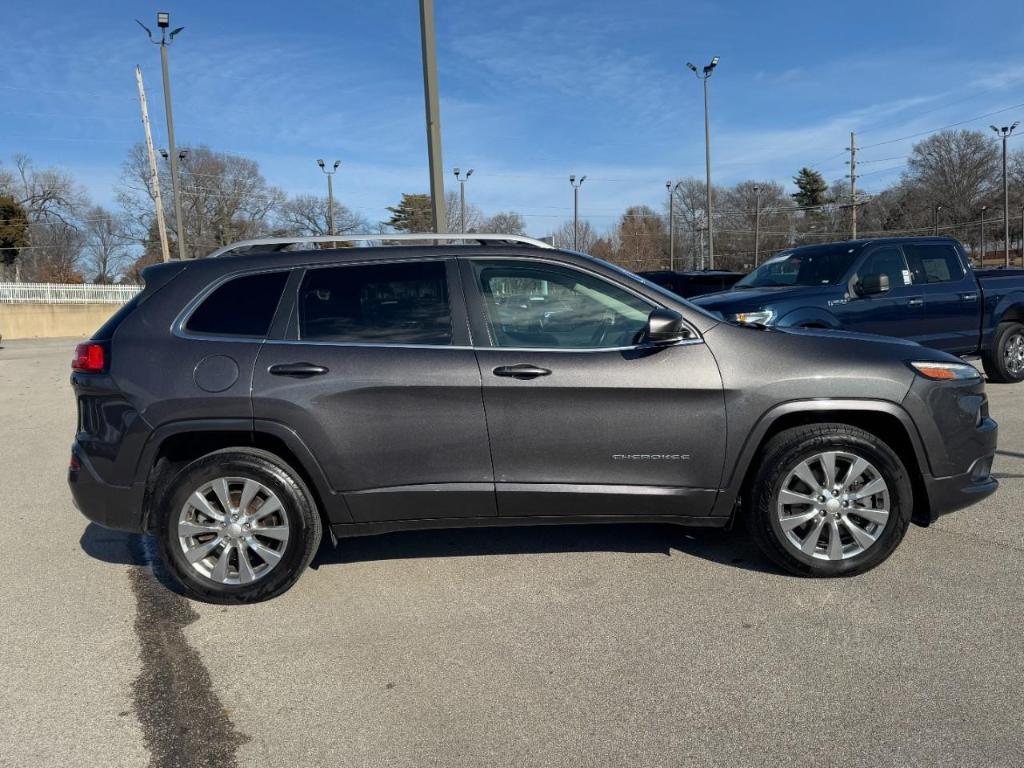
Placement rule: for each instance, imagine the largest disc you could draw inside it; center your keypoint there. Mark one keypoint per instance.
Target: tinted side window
(376, 304)
(548, 307)
(934, 263)
(887, 260)
(244, 306)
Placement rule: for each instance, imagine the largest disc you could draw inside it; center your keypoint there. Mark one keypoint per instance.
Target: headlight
(946, 371)
(762, 317)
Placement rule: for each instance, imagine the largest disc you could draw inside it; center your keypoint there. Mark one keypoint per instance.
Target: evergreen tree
(811, 188)
(413, 214)
(13, 230)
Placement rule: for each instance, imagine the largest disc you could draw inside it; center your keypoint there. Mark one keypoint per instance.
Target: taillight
(90, 357)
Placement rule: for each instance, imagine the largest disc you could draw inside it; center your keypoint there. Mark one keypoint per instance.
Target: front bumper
(113, 506)
(948, 494)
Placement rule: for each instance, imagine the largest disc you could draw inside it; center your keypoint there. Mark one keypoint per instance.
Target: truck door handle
(298, 370)
(915, 302)
(968, 297)
(522, 372)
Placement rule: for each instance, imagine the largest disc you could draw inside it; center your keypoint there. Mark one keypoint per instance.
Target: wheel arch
(809, 317)
(1009, 309)
(887, 421)
(175, 444)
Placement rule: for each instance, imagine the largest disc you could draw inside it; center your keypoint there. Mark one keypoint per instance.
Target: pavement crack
(183, 721)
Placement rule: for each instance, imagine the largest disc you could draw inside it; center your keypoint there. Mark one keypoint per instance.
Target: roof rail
(280, 243)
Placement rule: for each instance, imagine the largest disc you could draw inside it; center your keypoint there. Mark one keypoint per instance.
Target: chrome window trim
(181, 320)
(368, 345)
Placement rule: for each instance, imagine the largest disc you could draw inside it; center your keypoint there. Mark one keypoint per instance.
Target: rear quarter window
(243, 306)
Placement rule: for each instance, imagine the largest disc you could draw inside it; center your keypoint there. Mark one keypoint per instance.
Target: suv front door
(583, 419)
(897, 312)
(376, 375)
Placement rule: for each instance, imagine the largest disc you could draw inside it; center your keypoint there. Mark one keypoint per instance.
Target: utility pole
(983, 209)
(330, 194)
(1022, 236)
(433, 111)
(757, 225)
(704, 75)
(154, 172)
(671, 227)
(462, 196)
(935, 229)
(163, 21)
(853, 185)
(1005, 132)
(576, 209)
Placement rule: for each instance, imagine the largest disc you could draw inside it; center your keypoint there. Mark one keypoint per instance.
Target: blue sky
(531, 91)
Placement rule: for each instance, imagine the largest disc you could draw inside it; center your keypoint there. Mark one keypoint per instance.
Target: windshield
(820, 265)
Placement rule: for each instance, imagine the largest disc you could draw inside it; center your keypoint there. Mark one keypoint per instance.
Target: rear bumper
(112, 506)
(948, 494)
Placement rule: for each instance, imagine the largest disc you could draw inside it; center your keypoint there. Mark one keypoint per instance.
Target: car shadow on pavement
(728, 548)
(108, 546)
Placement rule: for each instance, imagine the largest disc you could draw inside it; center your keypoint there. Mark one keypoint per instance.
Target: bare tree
(474, 216)
(563, 236)
(642, 238)
(307, 215)
(505, 223)
(107, 245)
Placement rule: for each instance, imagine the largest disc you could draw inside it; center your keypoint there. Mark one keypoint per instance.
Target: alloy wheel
(233, 530)
(1013, 354)
(833, 505)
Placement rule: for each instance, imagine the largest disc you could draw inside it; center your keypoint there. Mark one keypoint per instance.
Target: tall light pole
(757, 225)
(163, 21)
(433, 112)
(462, 197)
(983, 209)
(576, 209)
(704, 75)
(330, 192)
(1005, 132)
(935, 229)
(1022, 236)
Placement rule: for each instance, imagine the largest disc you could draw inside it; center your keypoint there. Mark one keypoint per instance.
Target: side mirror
(665, 327)
(872, 285)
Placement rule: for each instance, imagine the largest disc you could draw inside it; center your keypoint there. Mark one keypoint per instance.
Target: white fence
(70, 293)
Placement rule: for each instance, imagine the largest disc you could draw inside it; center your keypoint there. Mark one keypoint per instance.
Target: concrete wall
(33, 321)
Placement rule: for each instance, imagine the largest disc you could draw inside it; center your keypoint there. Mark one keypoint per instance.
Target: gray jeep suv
(242, 404)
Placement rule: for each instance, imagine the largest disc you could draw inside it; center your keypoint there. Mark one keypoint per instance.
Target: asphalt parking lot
(591, 646)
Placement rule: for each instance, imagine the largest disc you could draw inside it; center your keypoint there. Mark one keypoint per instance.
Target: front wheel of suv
(237, 526)
(829, 500)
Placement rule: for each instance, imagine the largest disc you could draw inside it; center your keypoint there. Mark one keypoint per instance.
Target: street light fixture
(163, 22)
(1005, 133)
(704, 75)
(983, 209)
(576, 209)
(462, 197)
(757, 224)
(672, 223)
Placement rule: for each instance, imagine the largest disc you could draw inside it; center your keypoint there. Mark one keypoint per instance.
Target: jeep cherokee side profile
(242, 404)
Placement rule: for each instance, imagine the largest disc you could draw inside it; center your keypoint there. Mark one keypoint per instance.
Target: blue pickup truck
(921, 288)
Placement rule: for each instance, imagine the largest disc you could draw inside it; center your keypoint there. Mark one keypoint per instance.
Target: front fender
(809, 317)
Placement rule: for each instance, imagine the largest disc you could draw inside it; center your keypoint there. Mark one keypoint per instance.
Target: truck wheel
(828, 500)
(1004, 362)
(237, 526)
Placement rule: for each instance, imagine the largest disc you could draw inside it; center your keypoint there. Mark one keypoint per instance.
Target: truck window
(934, 263)
(887, 260)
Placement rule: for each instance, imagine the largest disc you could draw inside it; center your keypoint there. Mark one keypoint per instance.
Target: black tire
(994, 359)
(788, 449)
(297, 505)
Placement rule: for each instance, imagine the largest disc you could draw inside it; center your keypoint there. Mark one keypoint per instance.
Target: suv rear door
(376, 375)
(582, 419)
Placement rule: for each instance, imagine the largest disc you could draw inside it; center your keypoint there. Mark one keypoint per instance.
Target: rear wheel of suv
(237, 526)
(1004, 362)
(829, 500)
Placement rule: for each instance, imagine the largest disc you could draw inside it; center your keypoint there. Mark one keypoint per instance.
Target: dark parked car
(690, 284)
(241, 404)
(921, 288)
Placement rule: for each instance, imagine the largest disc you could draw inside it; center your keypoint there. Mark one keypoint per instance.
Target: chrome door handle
(521, 372)
(968, 297)
(915, 302)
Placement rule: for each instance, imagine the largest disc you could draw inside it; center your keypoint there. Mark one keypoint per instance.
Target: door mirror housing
(872, 285)
(664, 326)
